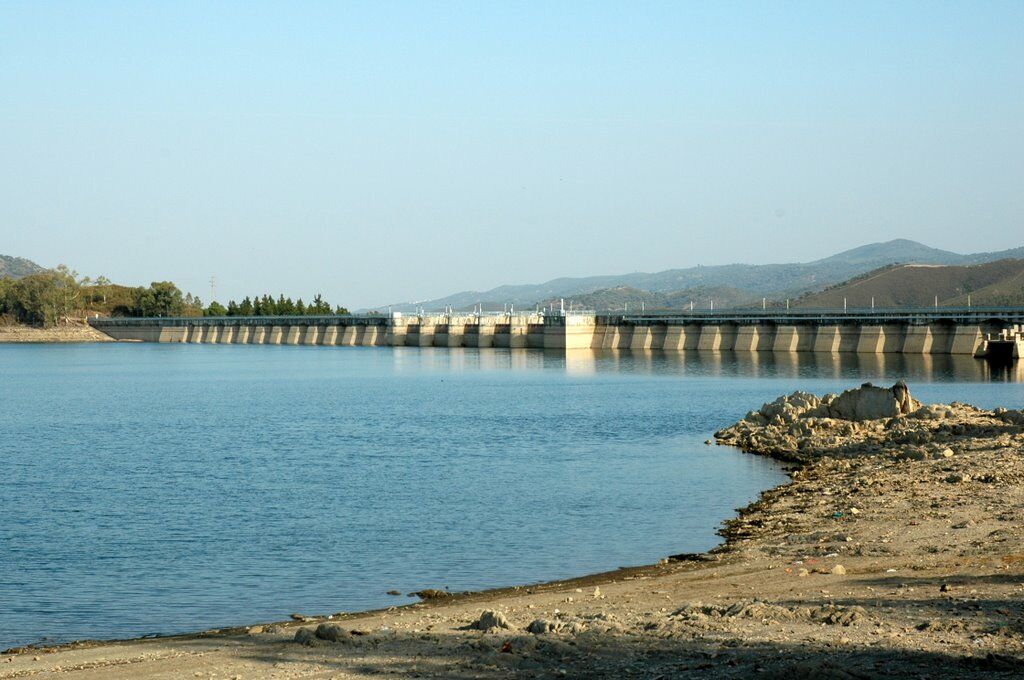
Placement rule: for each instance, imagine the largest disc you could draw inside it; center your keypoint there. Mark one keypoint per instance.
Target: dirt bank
(896, 551)
(62, 333)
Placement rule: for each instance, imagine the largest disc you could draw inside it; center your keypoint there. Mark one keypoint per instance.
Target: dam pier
(955, 331)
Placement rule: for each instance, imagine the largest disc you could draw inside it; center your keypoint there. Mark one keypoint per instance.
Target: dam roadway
(942, 330)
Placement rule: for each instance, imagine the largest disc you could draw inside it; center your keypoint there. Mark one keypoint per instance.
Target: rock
(331, 632)
(786, 409)
(543, 626)
(490, 620)
(838, 569)
(254, 630)
(947, 453)
(904, 401)
(914, 454)
(958, 478)
(431, 594)
(868, 403)
(298, 617)
(305, 636)
(394, 592)
(597, 591)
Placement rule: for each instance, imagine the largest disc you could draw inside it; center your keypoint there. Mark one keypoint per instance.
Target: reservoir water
(153, 489)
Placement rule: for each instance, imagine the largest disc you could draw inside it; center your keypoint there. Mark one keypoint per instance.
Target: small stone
(255, 630)
(803, 572)
(838, 569)
(708, 442)
(947, 453)
(394, 592)
(945, 588)
(597, 592)
(854, 511)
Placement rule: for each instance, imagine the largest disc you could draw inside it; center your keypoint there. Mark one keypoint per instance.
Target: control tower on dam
(964, 331)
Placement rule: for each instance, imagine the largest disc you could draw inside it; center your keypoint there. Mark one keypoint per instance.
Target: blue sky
(388, 151)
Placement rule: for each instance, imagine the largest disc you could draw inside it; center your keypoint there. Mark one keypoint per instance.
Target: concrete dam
(955, 331)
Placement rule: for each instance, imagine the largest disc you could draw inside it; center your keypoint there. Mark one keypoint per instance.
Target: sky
(386, 151)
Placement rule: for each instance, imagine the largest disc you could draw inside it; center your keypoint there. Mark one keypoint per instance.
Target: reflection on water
(793, 365)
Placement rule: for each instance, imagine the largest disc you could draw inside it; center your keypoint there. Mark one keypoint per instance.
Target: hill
(629, 299)
(17, 267)
(915, 285)
(774, 281)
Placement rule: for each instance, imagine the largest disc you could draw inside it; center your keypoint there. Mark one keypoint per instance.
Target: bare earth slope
(912, 285)
(896, 551)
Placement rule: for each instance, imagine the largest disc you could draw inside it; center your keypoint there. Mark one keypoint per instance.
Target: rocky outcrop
(865, 420)
(868, 402)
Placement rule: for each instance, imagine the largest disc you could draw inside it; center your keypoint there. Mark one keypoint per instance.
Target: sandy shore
(895, 551)
(66, 333)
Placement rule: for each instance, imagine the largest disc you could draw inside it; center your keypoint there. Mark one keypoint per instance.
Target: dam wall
(959, 332)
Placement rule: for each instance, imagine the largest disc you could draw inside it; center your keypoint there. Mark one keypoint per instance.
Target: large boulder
(868, 402)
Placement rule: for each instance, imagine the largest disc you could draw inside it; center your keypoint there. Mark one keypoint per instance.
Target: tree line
(266, 305)
(60, 296)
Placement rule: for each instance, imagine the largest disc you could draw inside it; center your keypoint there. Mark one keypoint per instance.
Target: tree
(246, 308)
(319, 306)
(67, 292)
(162, 298)
(216, 309)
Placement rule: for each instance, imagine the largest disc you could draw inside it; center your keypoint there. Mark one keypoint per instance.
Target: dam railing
(826, 316)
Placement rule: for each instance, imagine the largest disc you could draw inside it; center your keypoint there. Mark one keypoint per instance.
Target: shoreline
(896, 546)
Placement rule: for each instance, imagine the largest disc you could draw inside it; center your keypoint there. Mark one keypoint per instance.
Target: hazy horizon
(387, 153)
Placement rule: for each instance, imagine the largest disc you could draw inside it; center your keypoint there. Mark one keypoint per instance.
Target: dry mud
(896, 551)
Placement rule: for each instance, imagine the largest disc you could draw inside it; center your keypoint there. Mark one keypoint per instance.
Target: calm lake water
(164, 488)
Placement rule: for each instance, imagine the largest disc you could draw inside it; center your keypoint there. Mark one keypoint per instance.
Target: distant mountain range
(728, 285)
(17, 267)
